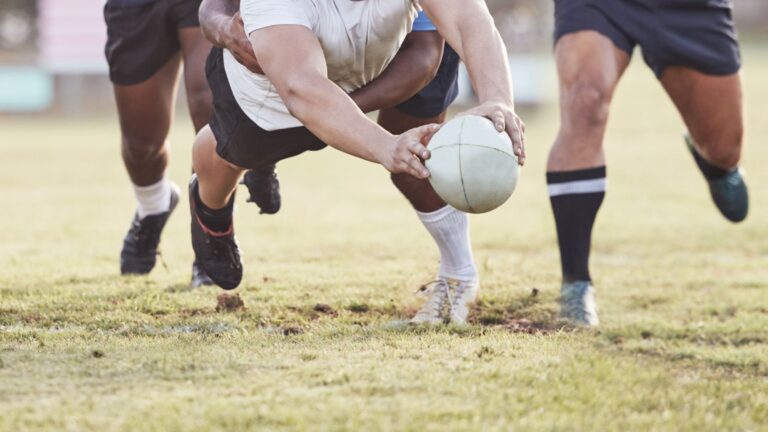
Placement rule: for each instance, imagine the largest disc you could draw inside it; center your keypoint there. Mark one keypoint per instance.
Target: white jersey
(359, 39)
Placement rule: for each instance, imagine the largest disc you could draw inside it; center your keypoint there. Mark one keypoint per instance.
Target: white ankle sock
(450, 229)
(155, 198)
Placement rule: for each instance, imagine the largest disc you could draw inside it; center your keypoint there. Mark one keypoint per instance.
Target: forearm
(330, 114)
(414, 66)
(214, 19)
(469, 29)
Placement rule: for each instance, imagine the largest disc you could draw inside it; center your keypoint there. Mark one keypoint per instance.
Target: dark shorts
(141, 39)
(438, 94)
(239, 140)
(697, 34)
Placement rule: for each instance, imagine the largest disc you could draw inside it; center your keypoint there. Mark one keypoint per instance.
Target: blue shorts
(438, 94)
(698, 34)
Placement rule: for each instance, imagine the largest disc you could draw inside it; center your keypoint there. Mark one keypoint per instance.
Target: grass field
(683, 342)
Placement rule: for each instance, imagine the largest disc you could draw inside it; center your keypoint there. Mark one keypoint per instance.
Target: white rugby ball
(473, 167)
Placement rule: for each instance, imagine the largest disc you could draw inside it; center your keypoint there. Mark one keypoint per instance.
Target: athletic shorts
(697, 34)
(239, 140)
(141, 39)
(438, 94)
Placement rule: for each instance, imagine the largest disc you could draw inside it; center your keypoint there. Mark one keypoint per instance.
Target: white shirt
(359, 39)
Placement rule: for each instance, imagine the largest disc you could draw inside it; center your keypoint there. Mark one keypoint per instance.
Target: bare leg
(195, 49)
(145, 111)
(217, 178)
(589, 67)
(418, 192)
(711, 107)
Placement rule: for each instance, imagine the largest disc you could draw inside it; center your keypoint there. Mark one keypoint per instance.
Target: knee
(138, 148)
(723, 149)
(585, 105)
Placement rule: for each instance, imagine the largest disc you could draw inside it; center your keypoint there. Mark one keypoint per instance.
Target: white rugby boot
(464, 294)
(437, 309)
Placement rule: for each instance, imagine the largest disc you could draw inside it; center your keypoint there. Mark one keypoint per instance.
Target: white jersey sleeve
(259, 14)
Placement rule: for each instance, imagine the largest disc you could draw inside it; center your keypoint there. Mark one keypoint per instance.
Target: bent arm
(293, 59)
(414, 66)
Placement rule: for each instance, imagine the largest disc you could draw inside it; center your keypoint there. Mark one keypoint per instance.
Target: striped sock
(576, 197)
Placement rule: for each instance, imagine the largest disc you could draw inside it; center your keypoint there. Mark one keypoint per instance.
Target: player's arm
(293, 59)
(468, 27)
(414, 66)
(222, 25)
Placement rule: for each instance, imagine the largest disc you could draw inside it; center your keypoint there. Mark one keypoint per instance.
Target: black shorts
(141, 39)
(438, 94)
(239, 140)
(698, 34)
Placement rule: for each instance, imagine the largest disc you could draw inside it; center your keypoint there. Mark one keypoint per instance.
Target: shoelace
(428, 290)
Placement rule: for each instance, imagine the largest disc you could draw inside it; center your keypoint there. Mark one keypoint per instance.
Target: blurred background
(51, 52)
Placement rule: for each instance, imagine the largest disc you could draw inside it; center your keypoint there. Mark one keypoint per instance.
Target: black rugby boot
(217, 253)
(264, 188)
(139, 253)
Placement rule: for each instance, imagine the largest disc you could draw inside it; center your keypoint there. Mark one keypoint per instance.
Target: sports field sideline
(684, 310)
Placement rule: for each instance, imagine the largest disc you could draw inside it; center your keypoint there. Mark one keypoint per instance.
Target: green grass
(683, 342)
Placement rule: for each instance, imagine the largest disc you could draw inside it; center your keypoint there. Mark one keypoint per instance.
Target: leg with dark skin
(195, 49)
(712, 109)
(146, 110)
(418, 192)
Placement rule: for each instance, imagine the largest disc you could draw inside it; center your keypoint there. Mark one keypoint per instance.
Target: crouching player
(457, 280)
(308, 57)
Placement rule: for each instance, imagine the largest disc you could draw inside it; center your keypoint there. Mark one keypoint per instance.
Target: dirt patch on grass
(529, 314)
(229, 303)
(324, 309)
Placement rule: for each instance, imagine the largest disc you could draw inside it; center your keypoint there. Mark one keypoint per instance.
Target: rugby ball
(472, 166)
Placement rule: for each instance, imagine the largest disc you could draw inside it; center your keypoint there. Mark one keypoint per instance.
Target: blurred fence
(51, 51)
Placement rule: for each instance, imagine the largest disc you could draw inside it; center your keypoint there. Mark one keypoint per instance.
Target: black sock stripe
(569, 176)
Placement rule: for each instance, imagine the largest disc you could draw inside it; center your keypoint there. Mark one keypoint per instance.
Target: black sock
(218, 220)
(576, 197)
(710, 171)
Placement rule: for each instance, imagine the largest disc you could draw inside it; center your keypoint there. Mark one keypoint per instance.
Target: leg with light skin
(217, 178)
(716, 132)
(589, 67)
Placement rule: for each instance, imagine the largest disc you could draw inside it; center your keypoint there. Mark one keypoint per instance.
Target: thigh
(434, 99)
(711, 105)
(195, 49)
(589, 67)
(146, 109)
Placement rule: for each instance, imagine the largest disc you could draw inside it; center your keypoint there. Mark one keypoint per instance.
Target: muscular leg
(195, 49)
(589, 66)
(145, 111)
(419, 192)
(717, 128)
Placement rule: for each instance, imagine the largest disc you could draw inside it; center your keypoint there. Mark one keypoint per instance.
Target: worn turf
(318, 342)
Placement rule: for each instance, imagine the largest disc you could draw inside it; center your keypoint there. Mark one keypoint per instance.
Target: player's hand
(409, 151)
(503, 116)
(236, 41)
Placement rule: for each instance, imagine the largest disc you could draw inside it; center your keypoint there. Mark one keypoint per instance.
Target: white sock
(155, 198)
(450, 229)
